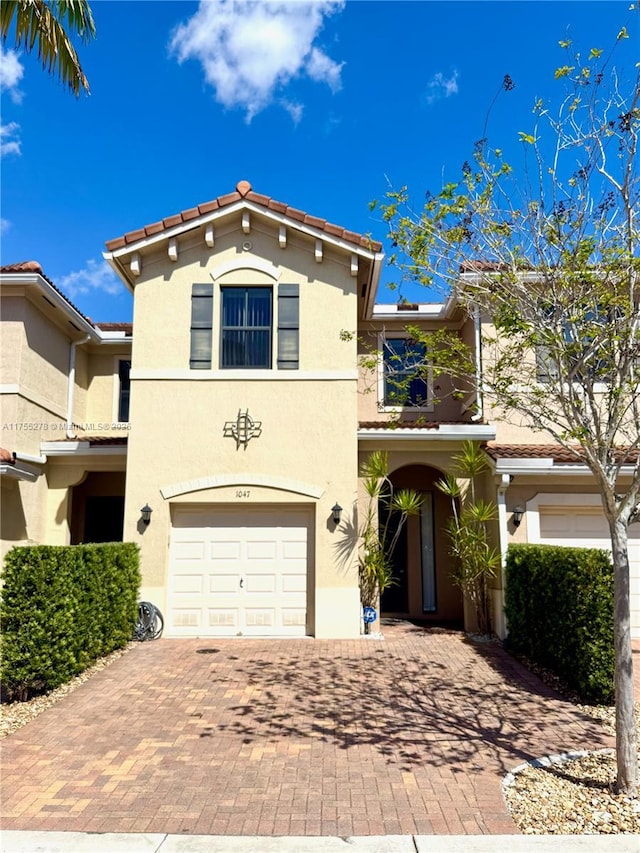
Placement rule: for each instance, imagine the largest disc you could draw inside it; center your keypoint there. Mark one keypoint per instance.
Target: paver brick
(410, 734)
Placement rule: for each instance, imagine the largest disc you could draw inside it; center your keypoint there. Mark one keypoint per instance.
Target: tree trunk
(626, 736)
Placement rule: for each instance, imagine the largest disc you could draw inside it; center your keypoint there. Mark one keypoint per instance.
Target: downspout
(479, 415)
(503, 531)
(72, 383)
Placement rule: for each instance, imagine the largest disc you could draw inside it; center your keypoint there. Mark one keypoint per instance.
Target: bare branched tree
(549, 255)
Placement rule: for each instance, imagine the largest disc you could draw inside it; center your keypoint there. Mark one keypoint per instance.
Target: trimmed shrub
(62, 608)
(559, 605)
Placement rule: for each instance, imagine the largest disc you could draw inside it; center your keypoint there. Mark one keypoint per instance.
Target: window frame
(119, 391)
(221, 326)
(383, 405)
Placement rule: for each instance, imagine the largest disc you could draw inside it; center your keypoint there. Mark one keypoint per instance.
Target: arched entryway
(421, 558)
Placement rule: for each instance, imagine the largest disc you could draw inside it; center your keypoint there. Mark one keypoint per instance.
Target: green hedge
(559, 607)
(61, 609)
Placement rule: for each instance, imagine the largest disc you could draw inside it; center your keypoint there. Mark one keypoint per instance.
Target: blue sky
(318, 105)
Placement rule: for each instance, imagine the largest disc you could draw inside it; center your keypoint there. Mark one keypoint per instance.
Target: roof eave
(280, 218)
(38, 281)
(444, 432)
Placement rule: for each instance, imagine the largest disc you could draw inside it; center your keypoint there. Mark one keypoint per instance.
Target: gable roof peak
(243, 187)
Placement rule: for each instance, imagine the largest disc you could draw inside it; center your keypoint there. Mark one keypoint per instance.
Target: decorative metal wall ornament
(243, 429)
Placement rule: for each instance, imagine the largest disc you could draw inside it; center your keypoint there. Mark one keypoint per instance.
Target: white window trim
(430, 407)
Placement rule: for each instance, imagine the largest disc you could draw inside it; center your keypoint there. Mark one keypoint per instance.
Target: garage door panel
(219, 617)
(188, 583)
(225, 583)
(260, 617)
(294, 583)
(587, 528)
(294, 550)
(261, 550)
(189, 550)
(253, 571)
(226, 550)
(259, 583)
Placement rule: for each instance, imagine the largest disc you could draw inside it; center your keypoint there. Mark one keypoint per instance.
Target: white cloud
(9, 141)
(440, 87)
(250, 48)
(295, 110)
(96, 275)
(4, 226)
(11, 72)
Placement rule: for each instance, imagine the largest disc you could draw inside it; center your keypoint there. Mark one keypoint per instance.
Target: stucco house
(235, 412)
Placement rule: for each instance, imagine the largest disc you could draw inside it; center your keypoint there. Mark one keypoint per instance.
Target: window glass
(403, 360)
(124, 369)
(246, 327)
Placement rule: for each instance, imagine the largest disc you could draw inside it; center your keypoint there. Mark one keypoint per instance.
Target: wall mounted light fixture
(336, 513)
(518, 512)
(145, 512)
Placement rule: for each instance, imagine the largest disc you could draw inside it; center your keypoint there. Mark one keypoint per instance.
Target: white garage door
(237, 573)
(586, 527)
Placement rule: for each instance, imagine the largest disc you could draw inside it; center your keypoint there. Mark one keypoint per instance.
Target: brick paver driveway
(410, 734)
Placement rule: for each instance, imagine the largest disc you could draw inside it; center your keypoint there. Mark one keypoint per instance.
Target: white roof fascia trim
(453, 431)
(566, 469)
(27, 457)
(53, 296)
(80, 448)
(280, 218)
(15, 473)
(114, 337)
(427, 310)
(505, 466)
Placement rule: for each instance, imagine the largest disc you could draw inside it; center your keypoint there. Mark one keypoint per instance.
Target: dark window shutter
(201, 326)
(288, 326)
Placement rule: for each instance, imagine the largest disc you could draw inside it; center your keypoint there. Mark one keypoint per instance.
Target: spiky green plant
(378, 544)
(476, 562)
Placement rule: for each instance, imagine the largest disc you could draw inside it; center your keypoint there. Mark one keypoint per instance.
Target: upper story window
(259, 327)
(246, 327)
(584, 349)
(124, 393)
(403, 374)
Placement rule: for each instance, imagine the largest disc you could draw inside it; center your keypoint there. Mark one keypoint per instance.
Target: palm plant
(476, 562)
(48, 25)
(378, 540)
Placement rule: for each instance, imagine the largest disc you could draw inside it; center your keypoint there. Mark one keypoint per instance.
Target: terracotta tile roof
(7, 457)
(105, 440)
(415, 424)
(557, 452)
(116, 327)
(95, 440)
(34, 267)
(243, 191)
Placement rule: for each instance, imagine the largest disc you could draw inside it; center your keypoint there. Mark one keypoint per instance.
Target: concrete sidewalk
(77, 842)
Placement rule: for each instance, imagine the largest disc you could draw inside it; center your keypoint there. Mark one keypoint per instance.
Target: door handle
(241, 582)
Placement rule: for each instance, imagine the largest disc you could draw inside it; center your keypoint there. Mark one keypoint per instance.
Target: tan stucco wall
(308, 417)
(163, 297)
(103, 388)
(445, 406)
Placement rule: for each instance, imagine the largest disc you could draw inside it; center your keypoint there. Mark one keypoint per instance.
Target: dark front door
(395, 599)
(104, 519)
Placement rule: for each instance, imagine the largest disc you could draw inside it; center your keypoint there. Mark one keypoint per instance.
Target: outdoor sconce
(517, 516)
(146, 514)
(336, 513)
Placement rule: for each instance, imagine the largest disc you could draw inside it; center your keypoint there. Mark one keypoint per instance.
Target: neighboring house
(239, 417)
